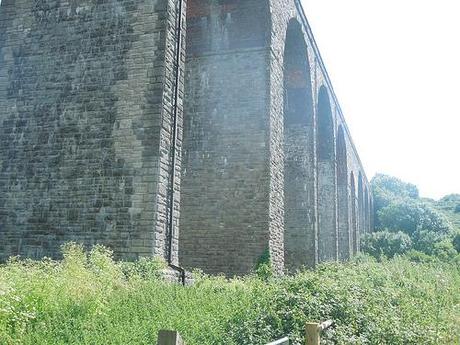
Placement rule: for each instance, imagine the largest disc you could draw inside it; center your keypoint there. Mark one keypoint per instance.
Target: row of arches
(326, 205)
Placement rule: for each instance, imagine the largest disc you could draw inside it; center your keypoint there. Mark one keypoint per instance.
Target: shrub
(386, 243)
(457, 208)
(425, 240)
(444, 251)
(87, 298)
(411, 215)
(394, 187)
(419, 257)
(386, 189)
(144, 268)
(456, 242)
(264, 268)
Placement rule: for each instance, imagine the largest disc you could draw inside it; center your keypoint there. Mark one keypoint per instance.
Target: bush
(264, 269)
(419, 257)
(457, 208)
(444, 251)
(456, 242)
(411, 215)
(386, 189)
(89, 299)
(144, 268)
(386, 243)
(394, 187)
(425, 240)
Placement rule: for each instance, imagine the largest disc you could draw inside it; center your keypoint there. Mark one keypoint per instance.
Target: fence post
(312, 331)
(169, 338)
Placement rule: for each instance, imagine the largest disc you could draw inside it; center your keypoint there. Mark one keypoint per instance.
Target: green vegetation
(386, 243)
(405, 222)
(450, 206)
(406, 292)
(90, 299)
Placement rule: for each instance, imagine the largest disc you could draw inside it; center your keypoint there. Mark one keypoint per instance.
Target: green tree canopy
(405, 221)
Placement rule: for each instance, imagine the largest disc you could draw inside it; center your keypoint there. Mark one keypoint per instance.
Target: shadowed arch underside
(354, 214)
(342, 197)
(367, 225)
(299, 160)
(225, 180)
(361, 214)
(327, 205)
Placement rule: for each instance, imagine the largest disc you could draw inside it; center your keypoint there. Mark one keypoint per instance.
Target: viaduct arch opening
(367, 224)
(361, 215)
(299, 168)
(342, 196)
(224, 192)
(354, 220)
(327, 205)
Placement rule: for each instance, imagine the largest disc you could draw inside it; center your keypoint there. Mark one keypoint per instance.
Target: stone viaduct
(125, 120)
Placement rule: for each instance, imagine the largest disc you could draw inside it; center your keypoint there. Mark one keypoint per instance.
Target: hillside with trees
(406, 223)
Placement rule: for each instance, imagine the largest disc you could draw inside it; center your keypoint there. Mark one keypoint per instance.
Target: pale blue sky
(395, 66)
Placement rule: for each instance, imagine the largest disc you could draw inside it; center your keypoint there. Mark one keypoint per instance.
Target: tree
(394, 187)
(456, 242)
(386, 189)
(386, 243)
(405, 221)
(409, 216)
(457, 208)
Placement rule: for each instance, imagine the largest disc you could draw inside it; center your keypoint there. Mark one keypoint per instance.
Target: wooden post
(169, 338)
(312, 331)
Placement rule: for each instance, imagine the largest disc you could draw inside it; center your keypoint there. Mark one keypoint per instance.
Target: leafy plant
(457, 208)
(264, 268)
(410, 215)
(398, 208)
(386, 243)
(456, 242)
(88, 298)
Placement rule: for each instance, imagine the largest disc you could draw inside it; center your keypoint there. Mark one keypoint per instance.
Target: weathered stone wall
(327, 182)
(225, 185)
(299, 153)
(86, 100)
(343, 203)
(87, 107)
(261, 164)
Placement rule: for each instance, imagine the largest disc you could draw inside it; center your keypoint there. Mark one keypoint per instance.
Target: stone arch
(361, 214)
(366, 211)
(343, 218)
(353, 215)
(227, 25)
(229, 216)
(299, 173)
(325, 127)
(327, 192)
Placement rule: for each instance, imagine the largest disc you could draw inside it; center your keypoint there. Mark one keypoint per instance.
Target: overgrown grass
(90, 299)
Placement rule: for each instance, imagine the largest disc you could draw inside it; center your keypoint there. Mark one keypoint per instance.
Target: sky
(395, 67)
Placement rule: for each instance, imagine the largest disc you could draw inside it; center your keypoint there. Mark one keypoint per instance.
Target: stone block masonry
(261, 155)
(98, 100)
(85, 111)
